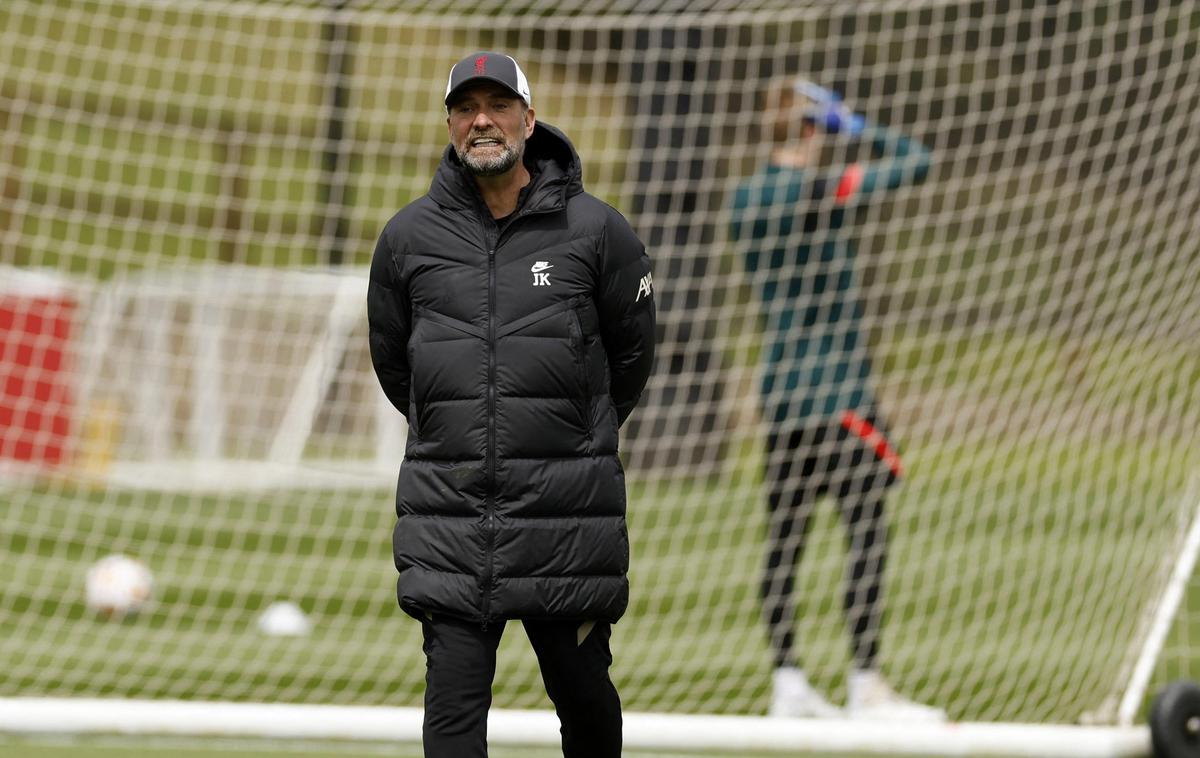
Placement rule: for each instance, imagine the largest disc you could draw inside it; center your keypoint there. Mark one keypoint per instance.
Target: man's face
(784, 115)
(488, 128)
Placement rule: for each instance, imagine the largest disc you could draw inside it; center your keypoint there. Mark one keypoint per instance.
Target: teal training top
(795, 229)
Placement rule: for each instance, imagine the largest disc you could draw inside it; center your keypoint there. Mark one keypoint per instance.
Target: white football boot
(793, 697)
(869, 696)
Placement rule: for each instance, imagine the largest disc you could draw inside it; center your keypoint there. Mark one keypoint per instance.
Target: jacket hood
(557, 173)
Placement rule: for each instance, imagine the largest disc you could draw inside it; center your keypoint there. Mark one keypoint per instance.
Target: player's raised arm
(897, 159)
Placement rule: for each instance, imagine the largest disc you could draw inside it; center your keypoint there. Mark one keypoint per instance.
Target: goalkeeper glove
(827, 110)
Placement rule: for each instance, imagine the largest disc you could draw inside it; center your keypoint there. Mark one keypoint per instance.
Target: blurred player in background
(512, 323)
(795, 222)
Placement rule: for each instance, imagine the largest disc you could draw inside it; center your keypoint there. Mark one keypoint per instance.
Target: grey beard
(490, 167)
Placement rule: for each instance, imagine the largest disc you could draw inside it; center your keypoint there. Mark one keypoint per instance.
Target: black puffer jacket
(514, 351)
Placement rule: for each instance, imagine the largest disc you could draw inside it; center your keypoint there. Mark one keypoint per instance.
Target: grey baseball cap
(488, 66)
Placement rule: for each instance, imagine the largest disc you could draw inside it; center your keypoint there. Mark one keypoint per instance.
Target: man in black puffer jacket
(512, 323)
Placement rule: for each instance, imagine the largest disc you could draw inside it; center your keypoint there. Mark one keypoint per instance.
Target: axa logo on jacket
(645, 287)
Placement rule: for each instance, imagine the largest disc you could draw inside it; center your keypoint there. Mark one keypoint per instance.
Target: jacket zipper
(488, 569)
(494, 235)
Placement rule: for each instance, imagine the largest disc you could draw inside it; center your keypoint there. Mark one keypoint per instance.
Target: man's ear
(530, 121)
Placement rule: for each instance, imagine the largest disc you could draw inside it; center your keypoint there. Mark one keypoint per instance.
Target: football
(117, 586)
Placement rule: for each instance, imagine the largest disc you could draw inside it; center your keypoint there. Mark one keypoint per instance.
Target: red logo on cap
(480, 64)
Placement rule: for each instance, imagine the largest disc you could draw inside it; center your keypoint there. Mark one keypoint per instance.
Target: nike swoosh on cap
(540, 266)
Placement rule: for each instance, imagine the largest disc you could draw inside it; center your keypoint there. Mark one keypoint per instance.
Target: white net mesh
(191, 192)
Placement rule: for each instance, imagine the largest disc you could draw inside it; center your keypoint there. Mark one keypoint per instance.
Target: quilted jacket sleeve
(627, 316)
(389, 320)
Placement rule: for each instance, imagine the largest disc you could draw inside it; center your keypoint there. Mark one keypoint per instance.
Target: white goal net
(190, 193)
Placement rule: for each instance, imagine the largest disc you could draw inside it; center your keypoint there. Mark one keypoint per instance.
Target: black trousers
(461, 663)
(853, 462)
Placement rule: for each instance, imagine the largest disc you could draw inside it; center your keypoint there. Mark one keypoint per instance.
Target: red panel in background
(35, 396)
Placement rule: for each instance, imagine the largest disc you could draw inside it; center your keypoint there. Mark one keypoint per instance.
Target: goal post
(190, 193)
(228, 376)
